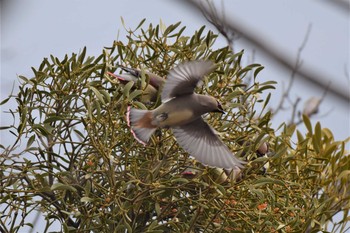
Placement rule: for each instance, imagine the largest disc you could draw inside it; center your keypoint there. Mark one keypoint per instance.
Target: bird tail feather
(140, 123)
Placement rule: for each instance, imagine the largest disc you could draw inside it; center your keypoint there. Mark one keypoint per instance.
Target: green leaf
(264, 181)
(140, 24)
(41, 129)
(96, 106)
(209, 38)
(318, 132)
(106, 95)
(134, 94)
(289, 131)
(65, 227)
(261, 159)
(5, 100)
(180, 180)
(86, 199)
(5, 127)
(128, 227)
(265, 87)
(246, 69)
(60, 186)
(30, 141)
(127, 88)
(316, 139)
(122, 19)
(98, 94)
(257, 71)
(235, 94)
(82, 56)
(280, 226)
(267, 100)
(280, 152)
(343, 174)
(53, 119)
(140, 105)
(162, 26)
(23, 78)
(157, 208)
(257, 192)
(300, 137)
(171, 28)
(87, 104)
(307, 123)
(199, 32)
(330, 149)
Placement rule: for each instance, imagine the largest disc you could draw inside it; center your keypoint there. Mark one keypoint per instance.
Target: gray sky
(32, 30)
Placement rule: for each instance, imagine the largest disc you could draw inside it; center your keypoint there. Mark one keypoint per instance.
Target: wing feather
(201, 142)
(184, 78)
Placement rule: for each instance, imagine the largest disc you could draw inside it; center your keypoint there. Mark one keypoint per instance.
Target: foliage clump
(75, 160)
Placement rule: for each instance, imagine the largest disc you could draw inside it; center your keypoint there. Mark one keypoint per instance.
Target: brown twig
(317, 78)
(214, 19)
(297, 66)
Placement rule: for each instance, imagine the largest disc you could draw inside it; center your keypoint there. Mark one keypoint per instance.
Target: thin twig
(294, 110)
(317, 78)
(214, 19)
(297, 65)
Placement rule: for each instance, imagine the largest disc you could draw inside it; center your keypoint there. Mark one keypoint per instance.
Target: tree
(76, 161)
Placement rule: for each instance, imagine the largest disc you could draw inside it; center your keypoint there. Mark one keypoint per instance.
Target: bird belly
(176, 112)
(176, 118)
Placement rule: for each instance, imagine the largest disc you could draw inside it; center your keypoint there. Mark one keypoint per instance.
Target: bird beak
(219, 109)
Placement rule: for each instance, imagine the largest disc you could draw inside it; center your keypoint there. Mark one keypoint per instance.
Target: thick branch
(318, 79)
(341, 5)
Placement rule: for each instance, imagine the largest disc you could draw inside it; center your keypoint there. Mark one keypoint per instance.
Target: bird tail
(140, 123)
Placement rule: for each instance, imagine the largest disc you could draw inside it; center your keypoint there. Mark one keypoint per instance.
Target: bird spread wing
(183, 79)
(200, 140)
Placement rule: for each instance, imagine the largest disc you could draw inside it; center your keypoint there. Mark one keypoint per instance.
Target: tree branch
(316, 78)
(341, 5)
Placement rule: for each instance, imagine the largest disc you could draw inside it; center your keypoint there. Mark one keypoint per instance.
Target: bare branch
(294, 113)
(219, 23)
(297, 66)
(317, 78)
(341, 5)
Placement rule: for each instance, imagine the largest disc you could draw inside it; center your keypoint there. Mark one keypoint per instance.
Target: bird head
(210, 104)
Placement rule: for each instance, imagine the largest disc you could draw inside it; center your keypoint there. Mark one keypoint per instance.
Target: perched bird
(181, 110)
(150, 93)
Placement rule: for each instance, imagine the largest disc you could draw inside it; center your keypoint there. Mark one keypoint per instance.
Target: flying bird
(150, 93)
(182, 110)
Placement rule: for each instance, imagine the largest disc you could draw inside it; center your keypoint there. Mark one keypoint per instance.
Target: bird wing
(184, 78)
(200, 140)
